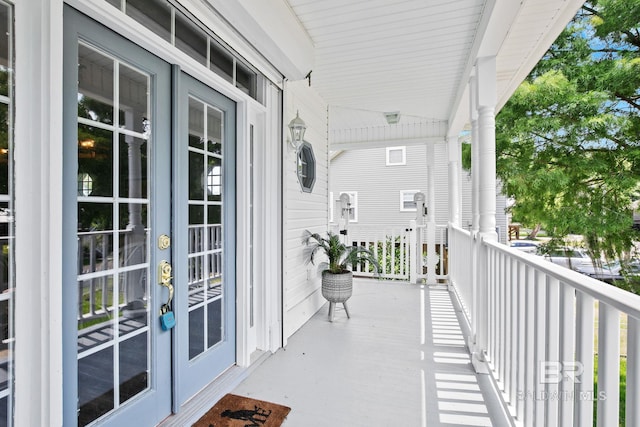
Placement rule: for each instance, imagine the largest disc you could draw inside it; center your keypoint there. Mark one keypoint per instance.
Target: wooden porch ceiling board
(385, 55)
(416, 56)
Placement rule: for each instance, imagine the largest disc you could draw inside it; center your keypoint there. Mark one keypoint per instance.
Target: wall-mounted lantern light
(297, 126)
(345, 207)
(421, 208)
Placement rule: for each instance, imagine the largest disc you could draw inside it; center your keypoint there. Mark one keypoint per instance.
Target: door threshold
(199, 404)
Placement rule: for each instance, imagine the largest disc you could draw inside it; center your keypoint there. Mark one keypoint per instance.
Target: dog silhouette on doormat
(257, 416)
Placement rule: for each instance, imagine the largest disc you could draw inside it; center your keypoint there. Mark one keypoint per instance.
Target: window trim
(402, 207)
(306, 162)
(403, 162)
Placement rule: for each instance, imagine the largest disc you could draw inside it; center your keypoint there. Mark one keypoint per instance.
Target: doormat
(239, 411)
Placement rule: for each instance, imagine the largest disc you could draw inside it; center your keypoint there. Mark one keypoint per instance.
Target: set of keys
(167, 318)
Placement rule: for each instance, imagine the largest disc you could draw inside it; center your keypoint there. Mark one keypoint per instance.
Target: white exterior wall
(303, 211)
(378, 186)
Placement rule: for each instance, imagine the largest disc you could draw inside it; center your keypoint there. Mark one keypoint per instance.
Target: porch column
(453, 145)
(486, 92)
(431, 216)
(485, 164)
(473, 103)
(475, 303)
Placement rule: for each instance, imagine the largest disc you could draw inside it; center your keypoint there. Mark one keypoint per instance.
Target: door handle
(167, 318)
(165, 280)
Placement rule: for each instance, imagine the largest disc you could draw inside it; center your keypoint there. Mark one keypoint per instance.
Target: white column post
(431, 217)
(416, 259)
(475, 152)
(453, 146)
(486, 90)
(485, 165)
(473, 115)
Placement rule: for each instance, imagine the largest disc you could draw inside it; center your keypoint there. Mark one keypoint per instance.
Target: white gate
(397, 249)
(390, 246)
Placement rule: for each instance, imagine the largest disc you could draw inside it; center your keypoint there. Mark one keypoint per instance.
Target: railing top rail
(460, 229)
(620, 299)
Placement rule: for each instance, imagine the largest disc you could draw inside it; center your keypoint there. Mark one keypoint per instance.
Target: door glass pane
(133, 91)
(246, 80)
(112, 234)
(153, 14)
(5, 43)
(206, 257)
(7, 234)
(191, 39)
(95, 86)
(95, 160)
(221, 62)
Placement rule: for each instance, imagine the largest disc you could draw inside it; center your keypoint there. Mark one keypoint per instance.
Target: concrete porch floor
(400, 360)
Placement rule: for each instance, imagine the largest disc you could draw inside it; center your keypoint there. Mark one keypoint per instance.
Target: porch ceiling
(416, 56)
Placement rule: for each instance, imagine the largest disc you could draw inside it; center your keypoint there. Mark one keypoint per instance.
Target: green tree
(568, 140)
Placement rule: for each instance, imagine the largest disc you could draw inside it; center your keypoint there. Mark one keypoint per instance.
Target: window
(396, 156)
(306, 167)
(407, 204)
(170, 23)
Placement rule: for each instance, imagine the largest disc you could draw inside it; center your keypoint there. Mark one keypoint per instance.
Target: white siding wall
(303, 211)
(378, 186)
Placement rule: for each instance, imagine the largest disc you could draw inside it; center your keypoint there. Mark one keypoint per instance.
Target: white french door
(204, 205)
(149, 182)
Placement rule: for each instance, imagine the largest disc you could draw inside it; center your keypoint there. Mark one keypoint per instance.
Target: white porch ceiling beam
(501, 31)
(365, 144)
(497, 18)
(389, 135)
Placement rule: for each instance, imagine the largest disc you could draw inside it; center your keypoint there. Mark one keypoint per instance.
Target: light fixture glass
(392, 117)
(297, 126)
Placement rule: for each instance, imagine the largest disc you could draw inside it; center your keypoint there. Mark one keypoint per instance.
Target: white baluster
(608, 366)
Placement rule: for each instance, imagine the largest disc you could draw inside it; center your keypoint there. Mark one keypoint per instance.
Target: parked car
(573, 258)
(631, 268)
(607, 271)
(527, 246)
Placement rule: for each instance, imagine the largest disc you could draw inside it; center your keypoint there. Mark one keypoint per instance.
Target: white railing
(441, 247)
(94, 255)
(460, 255)
(538, 336)
(398, 248)
(97, 267)
(390, 247)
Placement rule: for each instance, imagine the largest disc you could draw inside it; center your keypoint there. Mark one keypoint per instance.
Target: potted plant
(337, 274)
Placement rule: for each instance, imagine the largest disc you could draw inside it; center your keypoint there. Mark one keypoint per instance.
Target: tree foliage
(568, 141)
